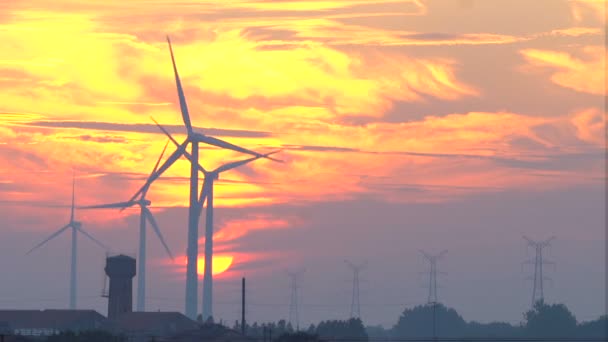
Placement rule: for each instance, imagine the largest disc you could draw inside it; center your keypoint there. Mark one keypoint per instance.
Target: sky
(456, 125)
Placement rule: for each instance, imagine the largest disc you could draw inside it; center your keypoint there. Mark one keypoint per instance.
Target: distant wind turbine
(193, 138)
(207, 194)
(145, 214)
(76, 228)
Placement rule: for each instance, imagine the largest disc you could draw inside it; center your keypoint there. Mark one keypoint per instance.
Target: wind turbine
(193, 139)
(76, 228)
(145, 214)
(207, 194)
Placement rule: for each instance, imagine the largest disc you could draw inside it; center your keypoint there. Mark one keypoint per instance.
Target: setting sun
(221, 263)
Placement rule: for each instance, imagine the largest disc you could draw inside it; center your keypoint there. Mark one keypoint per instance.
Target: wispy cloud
(147, 128)
(579, 74)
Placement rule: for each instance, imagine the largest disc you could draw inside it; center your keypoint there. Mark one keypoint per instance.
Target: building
(121, 270)
(143, 326)
(49, 322)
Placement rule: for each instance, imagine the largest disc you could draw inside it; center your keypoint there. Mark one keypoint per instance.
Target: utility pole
(293, 303)
(355, 304)
(538, 287)
(243, 322)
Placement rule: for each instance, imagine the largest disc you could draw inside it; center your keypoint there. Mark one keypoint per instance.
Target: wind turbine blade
(165, 131)
(180, 92)
(232, 165)
(92, 238)
(152, 221)
(174, 156)
(186, 153)
(224, 144)
(203, 196)
(145, 191)
(530, 241)
(160, 157)
(61, 230)
(119, 205)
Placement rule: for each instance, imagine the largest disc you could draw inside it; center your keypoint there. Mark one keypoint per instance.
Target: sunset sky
(405, 125)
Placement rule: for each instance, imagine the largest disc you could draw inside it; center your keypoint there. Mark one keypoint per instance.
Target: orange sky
(365, 96)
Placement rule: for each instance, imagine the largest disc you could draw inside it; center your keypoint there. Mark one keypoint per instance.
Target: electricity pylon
(538, 287)
(355, 304)
(293, 302)
(432, 259)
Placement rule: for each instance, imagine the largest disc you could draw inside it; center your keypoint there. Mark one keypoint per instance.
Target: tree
(493, 329)
(425, 320)
(350, 329)
(299, 336)
(553, 320)
(594, 329)
(377, 332)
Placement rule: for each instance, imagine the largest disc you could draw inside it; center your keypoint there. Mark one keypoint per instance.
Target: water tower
(121, 270)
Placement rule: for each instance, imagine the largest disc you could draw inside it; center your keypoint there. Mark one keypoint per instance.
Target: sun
(221, 263)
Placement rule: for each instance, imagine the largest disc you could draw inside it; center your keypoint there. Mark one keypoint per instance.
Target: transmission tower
(538, 287)
(432, 259)
(293, 302)
(355, 305)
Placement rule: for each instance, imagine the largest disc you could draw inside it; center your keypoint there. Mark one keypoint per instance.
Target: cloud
(100, 138)
(583, 10)
(334, 32)
(147, 128)
(576, 32)
(591, 126)
(580, 74)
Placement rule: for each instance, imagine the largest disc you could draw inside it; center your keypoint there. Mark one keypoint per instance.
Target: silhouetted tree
(377, 332)
(299, 336)
(350, 329)
(594, 329)
(553, 320)
(494, 329)
(418, 322)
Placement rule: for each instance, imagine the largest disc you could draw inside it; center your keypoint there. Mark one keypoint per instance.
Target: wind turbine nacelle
(146, 202)
(77, 224)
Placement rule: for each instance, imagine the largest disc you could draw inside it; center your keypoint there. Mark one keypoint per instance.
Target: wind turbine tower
(539, 261)
(432, 285)
(76, 228)
(355, 304)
